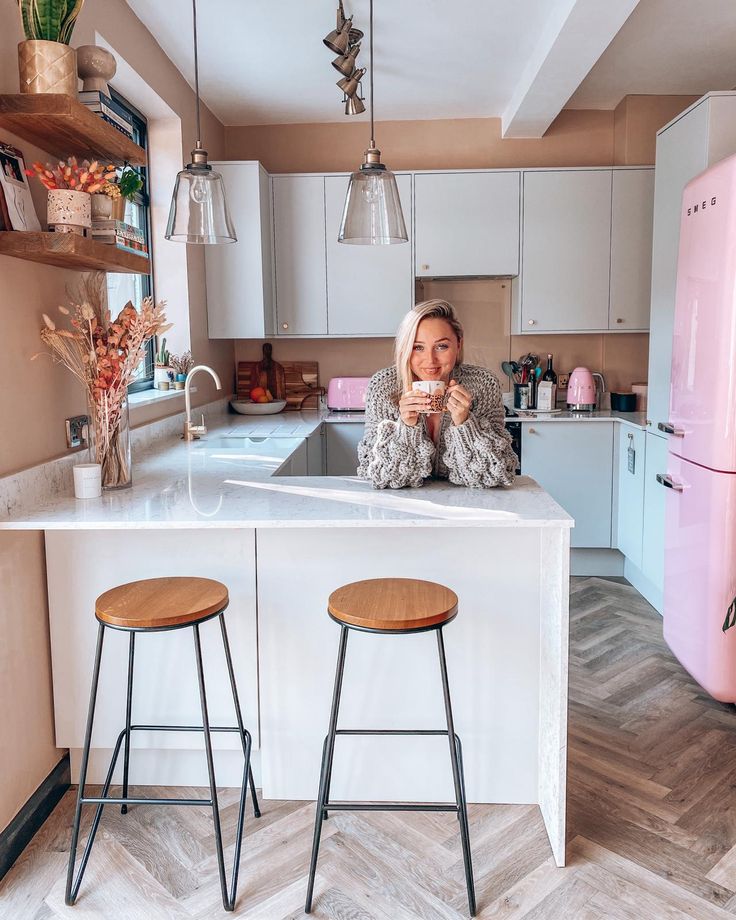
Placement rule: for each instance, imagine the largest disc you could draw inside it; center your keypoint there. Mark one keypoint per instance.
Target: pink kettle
(581, 394)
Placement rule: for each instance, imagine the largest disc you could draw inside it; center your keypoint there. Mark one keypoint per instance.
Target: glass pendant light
(198, 212)
(372, 215)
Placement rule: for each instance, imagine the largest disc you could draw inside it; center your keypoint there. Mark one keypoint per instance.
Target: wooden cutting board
(270, 374)
(301, 382)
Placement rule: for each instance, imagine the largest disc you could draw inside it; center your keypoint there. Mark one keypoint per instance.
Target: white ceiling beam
(577, 32)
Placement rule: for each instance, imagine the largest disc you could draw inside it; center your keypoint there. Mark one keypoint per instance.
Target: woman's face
(435, 350)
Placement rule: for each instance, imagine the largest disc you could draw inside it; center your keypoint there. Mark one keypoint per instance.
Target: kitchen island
(241, 506)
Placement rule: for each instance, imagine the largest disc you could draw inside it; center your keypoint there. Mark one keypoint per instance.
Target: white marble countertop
(636, 419)
(233, 483)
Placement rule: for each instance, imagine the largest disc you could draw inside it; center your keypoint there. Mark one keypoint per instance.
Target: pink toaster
(346, 393)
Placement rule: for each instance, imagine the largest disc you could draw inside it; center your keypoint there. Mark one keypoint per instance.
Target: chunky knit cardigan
(477, 453)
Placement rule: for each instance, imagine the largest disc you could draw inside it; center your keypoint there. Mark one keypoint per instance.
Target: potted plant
(181, 367)
(128, 183)
(70, 187)
(162, 368)
(46, 63)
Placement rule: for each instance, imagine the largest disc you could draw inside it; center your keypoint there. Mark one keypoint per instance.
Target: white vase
(68, 211)
(101, 207)
(161, 375)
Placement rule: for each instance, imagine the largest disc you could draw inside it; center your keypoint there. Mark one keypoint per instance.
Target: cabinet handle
(531, 430)
(425, 268)
(619, 320)
(531, 322)
(284, 325)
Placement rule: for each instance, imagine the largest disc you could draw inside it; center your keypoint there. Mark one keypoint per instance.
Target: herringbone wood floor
(652, 820)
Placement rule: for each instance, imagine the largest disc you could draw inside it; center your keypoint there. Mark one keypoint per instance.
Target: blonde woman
(403, 444)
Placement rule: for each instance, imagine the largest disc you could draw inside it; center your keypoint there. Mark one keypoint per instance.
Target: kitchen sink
(238, 442)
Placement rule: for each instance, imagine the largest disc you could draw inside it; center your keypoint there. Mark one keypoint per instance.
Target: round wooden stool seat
(161, 603)
(389, 604)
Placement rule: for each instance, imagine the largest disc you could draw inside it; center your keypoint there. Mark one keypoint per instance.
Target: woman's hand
(459, 402)
(411, 404)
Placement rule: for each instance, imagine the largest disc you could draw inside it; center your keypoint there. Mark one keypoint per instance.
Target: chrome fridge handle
(666, 480)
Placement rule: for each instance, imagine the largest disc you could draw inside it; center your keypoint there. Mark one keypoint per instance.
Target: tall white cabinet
(240, 274)
(300, 255)
(699, 137)
(369, 288)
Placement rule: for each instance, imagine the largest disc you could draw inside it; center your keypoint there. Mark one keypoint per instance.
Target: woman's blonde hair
(407, 333)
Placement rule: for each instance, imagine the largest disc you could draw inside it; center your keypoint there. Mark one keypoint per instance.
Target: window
(122, 288)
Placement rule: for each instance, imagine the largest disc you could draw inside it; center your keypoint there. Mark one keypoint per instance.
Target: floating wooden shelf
(67, 250)
(62, 126)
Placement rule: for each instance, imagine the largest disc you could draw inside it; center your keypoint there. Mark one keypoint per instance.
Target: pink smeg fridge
(700, 506)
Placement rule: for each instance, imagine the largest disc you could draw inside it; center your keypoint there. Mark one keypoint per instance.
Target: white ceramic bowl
(246, 407)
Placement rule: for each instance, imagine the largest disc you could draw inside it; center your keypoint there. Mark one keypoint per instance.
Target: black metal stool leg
(211, 770)
(326, 771)
(128, 708)
(458, 777)
(72, 887)
(239, 716)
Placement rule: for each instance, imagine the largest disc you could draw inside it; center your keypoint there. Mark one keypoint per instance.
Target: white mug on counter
(87, 480)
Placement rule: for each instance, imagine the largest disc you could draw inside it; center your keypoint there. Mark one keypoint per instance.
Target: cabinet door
(681, 154)
(631, 248)
(299, 254)
(369, 288)
(566, 250)
(630, 505)
(573, 461)
(240, 275)
(467, 223)
(342, 447)
(652, 561)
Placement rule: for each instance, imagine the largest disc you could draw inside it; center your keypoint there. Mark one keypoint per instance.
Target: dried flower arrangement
(78, 177)
(182, 365)
(103, 355)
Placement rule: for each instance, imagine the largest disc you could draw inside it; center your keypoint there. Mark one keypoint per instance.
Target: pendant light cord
(196, 70)
(373, 139)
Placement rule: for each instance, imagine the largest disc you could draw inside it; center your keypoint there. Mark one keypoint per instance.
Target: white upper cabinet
(300, 255)
(369, 288)
(631, 249)
(467, 223)
(566, 250)
(240, 275)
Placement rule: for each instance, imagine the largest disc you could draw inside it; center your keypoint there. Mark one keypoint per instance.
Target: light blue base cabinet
(573, 461)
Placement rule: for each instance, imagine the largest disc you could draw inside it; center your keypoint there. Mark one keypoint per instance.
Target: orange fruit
(270, 395)
(263, 399)
(256, 393)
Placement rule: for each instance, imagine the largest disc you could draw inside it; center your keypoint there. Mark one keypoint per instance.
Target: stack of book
(118, 233)
(109, 110)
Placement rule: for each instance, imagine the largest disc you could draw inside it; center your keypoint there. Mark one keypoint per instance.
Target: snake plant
(49, 20)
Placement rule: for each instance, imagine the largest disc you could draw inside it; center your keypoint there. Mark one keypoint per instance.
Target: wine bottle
(550, 374)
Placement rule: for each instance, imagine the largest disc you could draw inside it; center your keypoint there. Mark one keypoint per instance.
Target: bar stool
(157, 605)
(398, 606)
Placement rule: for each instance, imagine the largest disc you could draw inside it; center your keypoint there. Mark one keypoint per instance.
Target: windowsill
(146, 397)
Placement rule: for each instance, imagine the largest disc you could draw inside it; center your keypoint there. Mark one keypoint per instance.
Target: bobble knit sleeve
(391, 455)
(478, 452)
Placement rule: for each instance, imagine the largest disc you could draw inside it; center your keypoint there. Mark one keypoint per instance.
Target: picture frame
(16, 204)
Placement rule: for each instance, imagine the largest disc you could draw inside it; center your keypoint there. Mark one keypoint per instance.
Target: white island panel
(508, 692)
(82, 565)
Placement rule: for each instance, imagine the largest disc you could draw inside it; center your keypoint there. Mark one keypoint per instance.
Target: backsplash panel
(484, 307)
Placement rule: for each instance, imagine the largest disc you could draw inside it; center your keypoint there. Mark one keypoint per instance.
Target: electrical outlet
(562, 380)
(77, 431)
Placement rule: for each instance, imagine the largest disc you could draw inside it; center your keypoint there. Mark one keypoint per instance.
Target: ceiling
(263, 62)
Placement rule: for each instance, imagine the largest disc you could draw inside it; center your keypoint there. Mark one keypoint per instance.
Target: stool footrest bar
(129, 800)
(388, 806)
(392, 731)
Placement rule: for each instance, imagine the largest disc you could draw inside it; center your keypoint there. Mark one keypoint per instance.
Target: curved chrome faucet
(192, 432)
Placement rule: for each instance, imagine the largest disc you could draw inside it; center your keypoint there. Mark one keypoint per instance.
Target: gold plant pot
(47, 67)
(118, 208)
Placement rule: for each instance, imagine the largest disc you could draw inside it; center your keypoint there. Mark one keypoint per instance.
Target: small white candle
(87, 480)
